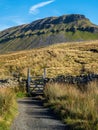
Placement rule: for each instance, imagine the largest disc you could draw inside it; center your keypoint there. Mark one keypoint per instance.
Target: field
(7, 107)
(76, 108)
(60, 59)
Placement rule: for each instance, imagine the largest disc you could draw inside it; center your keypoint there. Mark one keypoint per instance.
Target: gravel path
(33, 116)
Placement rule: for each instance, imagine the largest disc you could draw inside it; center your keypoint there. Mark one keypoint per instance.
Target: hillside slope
(59, 59)
(48, 31)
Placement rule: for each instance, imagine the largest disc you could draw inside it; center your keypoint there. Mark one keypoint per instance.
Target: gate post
(28, 81)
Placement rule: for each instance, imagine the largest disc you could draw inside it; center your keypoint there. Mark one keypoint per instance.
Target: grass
(20, 91)
(7, 107)
(60, 59)
(76, 108)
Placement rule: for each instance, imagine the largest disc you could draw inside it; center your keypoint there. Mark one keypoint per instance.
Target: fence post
(28, 81)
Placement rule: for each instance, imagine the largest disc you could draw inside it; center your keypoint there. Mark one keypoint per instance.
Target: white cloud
(35, 8)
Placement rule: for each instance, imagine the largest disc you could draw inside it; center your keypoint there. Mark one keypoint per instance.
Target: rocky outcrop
(49, 22)
(89, 29)
(47, 31)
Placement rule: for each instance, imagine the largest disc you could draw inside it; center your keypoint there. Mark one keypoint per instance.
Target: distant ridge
(47, 31)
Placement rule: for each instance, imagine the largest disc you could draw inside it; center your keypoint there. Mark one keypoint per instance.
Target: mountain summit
(51, 30)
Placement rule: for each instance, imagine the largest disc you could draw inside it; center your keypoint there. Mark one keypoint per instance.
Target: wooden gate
(35, 84)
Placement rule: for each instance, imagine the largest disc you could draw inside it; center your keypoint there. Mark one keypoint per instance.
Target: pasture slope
(60, 59)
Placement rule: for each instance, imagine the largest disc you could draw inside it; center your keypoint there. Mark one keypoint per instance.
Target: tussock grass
(76, 108)
(59, 59)
(7, 107)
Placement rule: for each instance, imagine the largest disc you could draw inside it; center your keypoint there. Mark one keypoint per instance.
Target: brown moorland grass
(7, 107)
(60, 59)
(76, 108)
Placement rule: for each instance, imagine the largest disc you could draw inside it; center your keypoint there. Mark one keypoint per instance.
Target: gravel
(33, 116)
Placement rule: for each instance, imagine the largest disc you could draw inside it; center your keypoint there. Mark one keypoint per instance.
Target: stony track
(33, 116)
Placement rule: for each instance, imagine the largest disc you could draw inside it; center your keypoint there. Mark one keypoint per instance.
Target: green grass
(82, 36)
(20, 91)
(76, 108)
(21, 94)
(3, 126)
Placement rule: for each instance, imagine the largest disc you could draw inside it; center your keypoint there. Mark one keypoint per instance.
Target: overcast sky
(17, 12)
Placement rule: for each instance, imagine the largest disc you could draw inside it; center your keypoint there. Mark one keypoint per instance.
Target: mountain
(47, 31)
